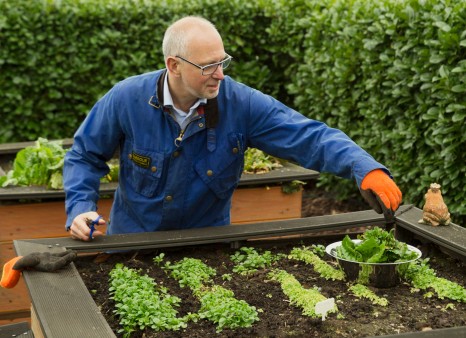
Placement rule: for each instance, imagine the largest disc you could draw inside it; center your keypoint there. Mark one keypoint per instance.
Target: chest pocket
(142, 169)
(221, 169)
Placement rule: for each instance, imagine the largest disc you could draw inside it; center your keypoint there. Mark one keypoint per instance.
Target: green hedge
(391, 74)
(58, 57)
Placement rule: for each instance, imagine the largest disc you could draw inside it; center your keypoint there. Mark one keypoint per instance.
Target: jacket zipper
(180, 136)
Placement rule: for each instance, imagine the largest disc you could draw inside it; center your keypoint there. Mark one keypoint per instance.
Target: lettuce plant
(376, 246)
(248, 260)
(41, 164)
(140, 303)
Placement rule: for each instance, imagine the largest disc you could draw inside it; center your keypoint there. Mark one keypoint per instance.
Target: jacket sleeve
(285, 133)
(94, 144)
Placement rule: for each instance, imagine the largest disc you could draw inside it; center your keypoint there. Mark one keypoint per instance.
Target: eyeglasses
(210, 69)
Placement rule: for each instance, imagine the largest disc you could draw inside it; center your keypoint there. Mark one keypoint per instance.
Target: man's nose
(218, 74)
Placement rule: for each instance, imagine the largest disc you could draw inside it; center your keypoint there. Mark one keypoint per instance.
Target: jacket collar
(211, 111)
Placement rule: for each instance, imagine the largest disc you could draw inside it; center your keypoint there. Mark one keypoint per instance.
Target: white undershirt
(180, 116)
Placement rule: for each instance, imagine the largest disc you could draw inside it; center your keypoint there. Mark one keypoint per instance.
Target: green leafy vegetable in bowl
(375, 246)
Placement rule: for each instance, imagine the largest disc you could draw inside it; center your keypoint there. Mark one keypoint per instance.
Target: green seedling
(326, 271)
(306, 299)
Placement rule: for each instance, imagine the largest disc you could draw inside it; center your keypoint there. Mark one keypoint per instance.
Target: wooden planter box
(257, 199)
(54, 294)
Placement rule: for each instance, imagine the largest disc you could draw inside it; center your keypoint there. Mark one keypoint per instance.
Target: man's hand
(79, 229)
(381, 193)
(39, 261)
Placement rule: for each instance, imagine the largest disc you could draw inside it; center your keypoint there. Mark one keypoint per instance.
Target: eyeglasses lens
(211, 69)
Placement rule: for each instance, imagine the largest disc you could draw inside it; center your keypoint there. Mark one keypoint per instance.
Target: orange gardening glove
(381, 193)
(39, 261)
(10, 276)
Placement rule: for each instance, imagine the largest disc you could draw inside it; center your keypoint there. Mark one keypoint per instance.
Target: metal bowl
(379, 275)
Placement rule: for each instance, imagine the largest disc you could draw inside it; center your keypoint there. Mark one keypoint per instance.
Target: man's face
(205, 49)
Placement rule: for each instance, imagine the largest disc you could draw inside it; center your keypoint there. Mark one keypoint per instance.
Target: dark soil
(407, 311)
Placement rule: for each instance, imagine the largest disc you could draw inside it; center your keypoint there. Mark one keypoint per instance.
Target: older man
(182, 133)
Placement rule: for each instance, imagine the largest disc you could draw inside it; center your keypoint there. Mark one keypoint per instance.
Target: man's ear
(173, 66)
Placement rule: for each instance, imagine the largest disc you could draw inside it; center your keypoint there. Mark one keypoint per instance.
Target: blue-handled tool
(92, 224)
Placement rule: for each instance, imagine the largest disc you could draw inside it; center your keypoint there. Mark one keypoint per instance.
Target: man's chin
(211, 94)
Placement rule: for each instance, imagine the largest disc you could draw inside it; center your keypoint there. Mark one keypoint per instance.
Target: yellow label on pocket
(142, 161)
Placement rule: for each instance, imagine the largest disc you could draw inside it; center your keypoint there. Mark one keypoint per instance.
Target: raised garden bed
(70, 295)
(36, 212)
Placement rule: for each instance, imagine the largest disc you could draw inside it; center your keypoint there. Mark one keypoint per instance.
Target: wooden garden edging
(62, 292)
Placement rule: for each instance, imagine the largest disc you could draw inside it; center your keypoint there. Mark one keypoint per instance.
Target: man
(182, 133)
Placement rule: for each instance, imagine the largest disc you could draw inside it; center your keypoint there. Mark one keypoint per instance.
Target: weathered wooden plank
(13, 193)
(39, 220)
(58, 293)
(218, 234)
(451, 237)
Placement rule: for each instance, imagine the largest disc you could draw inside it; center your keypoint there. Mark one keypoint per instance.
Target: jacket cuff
(362, 169)
(77, 209)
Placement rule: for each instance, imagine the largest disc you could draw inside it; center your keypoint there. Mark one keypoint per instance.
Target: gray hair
(175, 38)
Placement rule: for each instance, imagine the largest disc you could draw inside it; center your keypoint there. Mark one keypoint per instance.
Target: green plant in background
(304, 298)
(41, 164)
(257, 162)
(293, 186)
(59, 57)
(114, 170)
(391, 75)
(44, 163)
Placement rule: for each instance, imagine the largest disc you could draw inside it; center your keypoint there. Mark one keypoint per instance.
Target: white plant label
(325, 306)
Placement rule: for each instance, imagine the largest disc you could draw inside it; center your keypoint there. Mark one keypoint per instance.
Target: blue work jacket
(167, 184)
